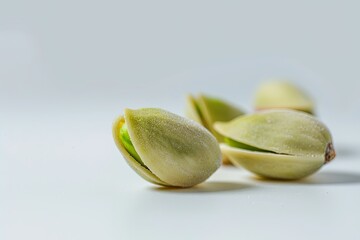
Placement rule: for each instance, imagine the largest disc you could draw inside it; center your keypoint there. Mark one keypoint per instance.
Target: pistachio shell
(282, 94)
(193, 112)
(206, 110)
(282, 144)
(175, 151)
(281, 131)
(277, 166)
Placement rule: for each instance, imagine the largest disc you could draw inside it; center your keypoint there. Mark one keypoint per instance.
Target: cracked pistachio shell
(207, 110)
(174, 151)
(282, 94)
(281, 144)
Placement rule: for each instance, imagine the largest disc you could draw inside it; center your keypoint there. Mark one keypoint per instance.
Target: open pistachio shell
(206, 110)
(282, 94)
(282, 144)
(166, 149)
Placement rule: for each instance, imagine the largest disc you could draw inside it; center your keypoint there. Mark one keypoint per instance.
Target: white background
(68, 68)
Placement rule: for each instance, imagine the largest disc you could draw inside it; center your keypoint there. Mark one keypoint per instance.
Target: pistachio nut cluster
(282, 94)
(166, 149)
(280, 144)
(280, 140)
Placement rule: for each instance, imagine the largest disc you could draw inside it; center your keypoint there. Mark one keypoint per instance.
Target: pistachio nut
(206, 110)
(166, 149)
(281, 144)
(282, 94)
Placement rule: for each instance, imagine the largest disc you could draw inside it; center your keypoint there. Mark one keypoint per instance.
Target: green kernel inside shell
(126, 141)
(244, 146)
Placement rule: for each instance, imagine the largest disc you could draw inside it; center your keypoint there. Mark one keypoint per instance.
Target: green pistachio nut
(280, 144)
(282, 94)
(207, 110)
(166, 149)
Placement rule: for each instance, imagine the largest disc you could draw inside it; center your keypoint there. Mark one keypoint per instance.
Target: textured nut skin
(294, 144)
(279, 94)
(177, 152)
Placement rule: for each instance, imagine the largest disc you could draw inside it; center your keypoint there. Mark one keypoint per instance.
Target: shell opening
(126, 141)
(244, 146)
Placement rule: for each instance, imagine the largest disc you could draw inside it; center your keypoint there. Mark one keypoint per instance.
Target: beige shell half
(176, 151)
(277, 166)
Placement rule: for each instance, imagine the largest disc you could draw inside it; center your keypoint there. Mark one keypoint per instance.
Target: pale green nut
(279, 94)
(280, 144)
(166, 149)
(207, 110)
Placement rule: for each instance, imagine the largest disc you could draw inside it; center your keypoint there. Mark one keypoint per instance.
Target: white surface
(68, 68)
(63, 178)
